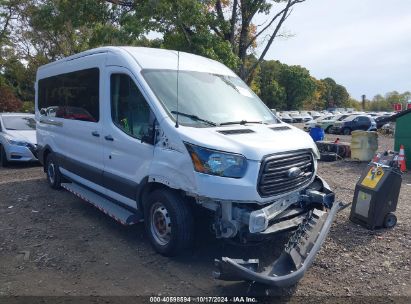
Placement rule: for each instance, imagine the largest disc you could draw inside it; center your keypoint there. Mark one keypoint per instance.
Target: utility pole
(363, 102)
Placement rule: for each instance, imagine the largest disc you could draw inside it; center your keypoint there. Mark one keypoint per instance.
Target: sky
(364, 45)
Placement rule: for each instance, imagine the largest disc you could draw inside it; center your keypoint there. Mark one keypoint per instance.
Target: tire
(168, 222)
(390, 220)
(3, 157)
(347, 131)
(53, 172)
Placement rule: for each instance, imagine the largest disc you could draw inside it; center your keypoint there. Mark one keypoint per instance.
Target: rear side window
(130, 111)
(71, 96)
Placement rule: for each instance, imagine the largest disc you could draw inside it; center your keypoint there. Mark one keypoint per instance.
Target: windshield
(206, 98)
(21, 123)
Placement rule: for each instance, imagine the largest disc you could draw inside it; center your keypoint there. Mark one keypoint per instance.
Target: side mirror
(150, 135)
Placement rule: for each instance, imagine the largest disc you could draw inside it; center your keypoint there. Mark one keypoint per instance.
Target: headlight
(17, 142)
(216, 162)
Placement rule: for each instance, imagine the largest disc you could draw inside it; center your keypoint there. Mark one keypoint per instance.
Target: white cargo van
(149, 134)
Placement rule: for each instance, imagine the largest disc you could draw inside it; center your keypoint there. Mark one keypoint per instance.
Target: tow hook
(298, 254)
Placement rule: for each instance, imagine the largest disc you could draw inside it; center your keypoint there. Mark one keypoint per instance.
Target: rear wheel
(168, 221)
(346, 131)
(3, 157)
(53, 172)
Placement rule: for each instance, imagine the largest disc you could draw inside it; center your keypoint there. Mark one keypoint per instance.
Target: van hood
(254, 141)
(23, 135)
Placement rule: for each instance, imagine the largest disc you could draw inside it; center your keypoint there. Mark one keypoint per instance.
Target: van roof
(152, 58)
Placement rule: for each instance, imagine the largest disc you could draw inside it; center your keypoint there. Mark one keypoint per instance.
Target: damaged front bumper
(296, 258)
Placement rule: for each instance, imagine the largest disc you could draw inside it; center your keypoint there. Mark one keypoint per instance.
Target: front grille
(274, 178)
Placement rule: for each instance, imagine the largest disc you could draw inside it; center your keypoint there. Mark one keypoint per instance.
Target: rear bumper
(297, 256)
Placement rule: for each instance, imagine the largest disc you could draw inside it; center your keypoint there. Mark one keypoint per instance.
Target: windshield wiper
(240, 122)
(194, 117)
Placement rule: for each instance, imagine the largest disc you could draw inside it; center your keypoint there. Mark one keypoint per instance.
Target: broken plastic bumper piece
(296, 258)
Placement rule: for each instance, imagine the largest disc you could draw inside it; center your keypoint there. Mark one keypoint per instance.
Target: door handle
(109, 137)
(95, 133)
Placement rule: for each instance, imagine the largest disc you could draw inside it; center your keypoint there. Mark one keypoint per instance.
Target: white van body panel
(167, 162)
(149, 58)
(73, 138)
(254, 146)
(125, 156)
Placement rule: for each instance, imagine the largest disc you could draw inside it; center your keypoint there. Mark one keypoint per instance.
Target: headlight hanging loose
(218, 163)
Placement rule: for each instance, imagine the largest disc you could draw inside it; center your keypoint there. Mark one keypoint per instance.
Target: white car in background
(17, 138)
(285, 117)
(317, 122)
(306, 117)
(297, 117)
(314, 114)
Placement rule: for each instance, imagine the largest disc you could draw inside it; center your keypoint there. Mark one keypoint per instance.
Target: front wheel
(53, 172)
(347, 131)
(327, 130)
(168, 222)
(3, 157)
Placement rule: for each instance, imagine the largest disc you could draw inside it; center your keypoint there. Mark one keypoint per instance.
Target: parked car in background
(306, 117)
(354, 123)
(381, 120)
(297, 117)
(285, 117)
(314, 114)
(327, 123)
(317, 122)
(17, 138)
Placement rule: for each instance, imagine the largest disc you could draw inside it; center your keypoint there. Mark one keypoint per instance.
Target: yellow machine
(376, 193)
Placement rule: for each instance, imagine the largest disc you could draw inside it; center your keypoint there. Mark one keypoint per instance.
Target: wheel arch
(146, 187)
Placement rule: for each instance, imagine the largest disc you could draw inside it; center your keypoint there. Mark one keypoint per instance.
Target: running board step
(120, 214)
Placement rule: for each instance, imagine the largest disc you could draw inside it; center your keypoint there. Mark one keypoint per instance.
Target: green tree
(270, 91)
(222, 29)
(334, 95)
(298, 85)
(316, 102)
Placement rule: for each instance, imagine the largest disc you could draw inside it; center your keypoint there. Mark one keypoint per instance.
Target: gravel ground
(52, 243)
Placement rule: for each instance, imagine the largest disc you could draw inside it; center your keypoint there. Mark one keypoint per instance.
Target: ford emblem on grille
(294, 172)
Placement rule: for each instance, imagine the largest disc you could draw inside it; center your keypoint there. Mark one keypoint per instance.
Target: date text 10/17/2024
(176, 299)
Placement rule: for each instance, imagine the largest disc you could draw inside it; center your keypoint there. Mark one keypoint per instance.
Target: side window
(129, 109)
(71, 96)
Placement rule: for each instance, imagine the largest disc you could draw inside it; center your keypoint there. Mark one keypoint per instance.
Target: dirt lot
(52, 243)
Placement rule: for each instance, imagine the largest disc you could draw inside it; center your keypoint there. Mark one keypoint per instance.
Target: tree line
(35, 32)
